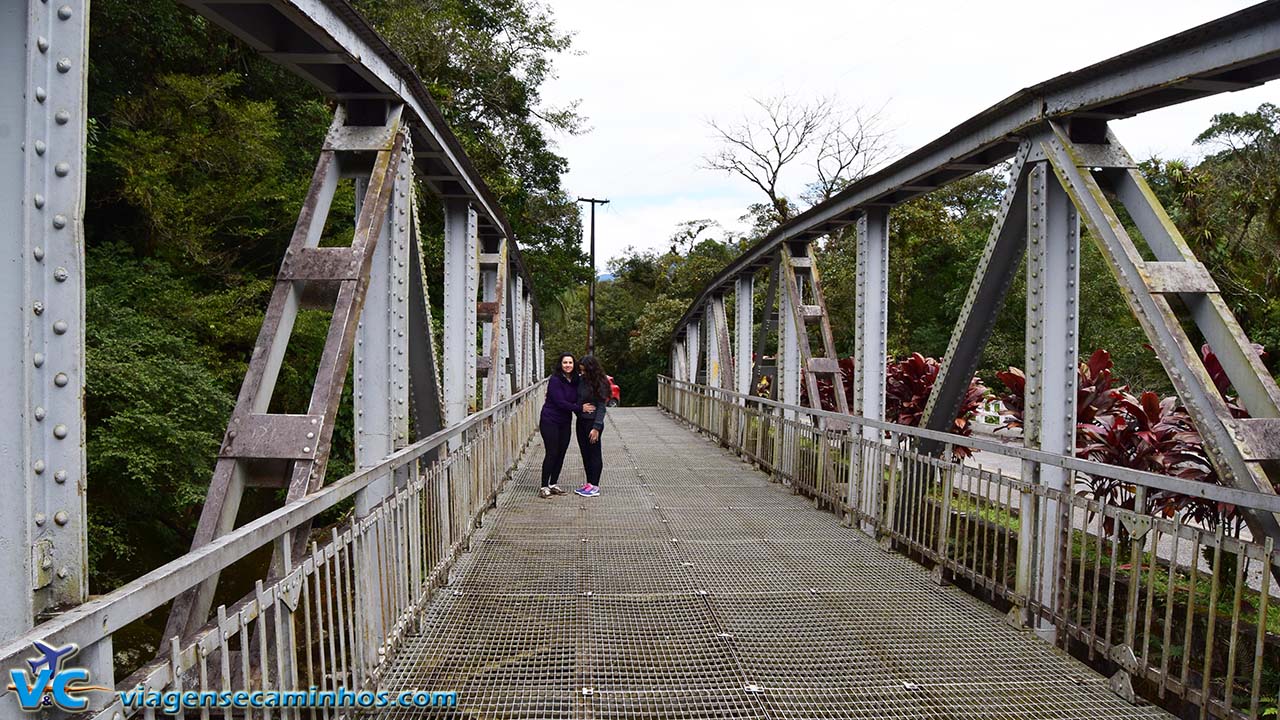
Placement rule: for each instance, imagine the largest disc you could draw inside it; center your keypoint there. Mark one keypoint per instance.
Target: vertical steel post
(43, 528)
(692, 338)
(381, 386)
(460, 270)
(871, 333)
(714, 361)
(744, 322)
(1053, 246)
(517, 324)
(788, 350)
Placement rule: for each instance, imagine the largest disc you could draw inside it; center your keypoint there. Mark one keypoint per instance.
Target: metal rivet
(60, 431)
(39, 413)
(62, 169)
(62, 117)
(60, 274)
(59, 221)
(38, 358)
(310, 435)
(306, 449)
(40, 518)
(64, 65)
(60, 327)
(38, 466)
(61, 517)
(60, 476)
(61, 379)
(42, 43)
(39, 203)
(41, 94)
(64, 12)
(40, 147)
(63, 572)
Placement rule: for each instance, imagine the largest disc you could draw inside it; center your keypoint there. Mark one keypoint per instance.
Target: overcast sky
(650, 75)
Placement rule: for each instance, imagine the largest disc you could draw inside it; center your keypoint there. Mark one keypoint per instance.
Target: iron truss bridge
(855, 569)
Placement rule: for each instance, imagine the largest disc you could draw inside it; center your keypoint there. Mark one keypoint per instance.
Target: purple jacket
(562, 400)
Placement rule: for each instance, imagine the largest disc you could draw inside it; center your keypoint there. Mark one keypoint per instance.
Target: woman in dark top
(593, 392)
(556, 423)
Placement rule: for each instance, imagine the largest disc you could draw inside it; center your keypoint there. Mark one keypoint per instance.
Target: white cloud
(650, 75)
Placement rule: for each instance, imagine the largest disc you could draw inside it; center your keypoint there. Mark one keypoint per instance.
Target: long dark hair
(593, 375)
(571, 376)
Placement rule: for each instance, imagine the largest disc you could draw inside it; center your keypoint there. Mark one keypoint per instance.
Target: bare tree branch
(839, 145)
(758, 148)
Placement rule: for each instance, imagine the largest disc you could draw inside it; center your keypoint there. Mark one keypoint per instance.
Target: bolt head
(59, 221)
(64, 65)
(62, 169)
(40, 147)
(60, 431)
(60, 327)
(64, 12)
(60, 274)
(61, 379)
(42, 43)
(62, 117)
(41, 94)
(61, 517)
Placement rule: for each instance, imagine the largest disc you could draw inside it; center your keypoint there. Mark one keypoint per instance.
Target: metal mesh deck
(695, 588)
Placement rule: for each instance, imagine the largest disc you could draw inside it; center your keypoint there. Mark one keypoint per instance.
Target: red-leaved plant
(908, 384)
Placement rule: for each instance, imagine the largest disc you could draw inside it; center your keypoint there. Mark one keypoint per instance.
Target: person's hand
(594, 437)
(588, 408)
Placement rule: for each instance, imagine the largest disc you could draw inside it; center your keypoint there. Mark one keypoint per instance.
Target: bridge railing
(334, 619)
(1115, 569)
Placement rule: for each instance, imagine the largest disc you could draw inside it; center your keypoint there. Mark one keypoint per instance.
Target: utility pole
(591, 296)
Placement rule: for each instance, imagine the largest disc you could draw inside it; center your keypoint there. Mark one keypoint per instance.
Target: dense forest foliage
(200, 152)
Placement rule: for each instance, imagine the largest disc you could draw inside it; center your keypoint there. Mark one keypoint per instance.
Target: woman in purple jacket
(556, 423)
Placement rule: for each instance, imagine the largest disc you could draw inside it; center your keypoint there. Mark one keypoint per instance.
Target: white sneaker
(544, 492)
(557, 490)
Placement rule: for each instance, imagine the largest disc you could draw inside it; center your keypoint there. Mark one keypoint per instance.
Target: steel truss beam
(426, 399)
(279, 450)
(719, 350)
(995, 272)
(801, 283)
(1244, 452)
(1234, 52)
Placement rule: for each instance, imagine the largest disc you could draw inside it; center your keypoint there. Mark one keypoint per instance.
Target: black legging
(555, 440)
(592, 460)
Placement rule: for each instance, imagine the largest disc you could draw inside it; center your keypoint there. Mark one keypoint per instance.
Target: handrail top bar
(1216, 493)
(1234, 52)
(330, 45)
(102, 616)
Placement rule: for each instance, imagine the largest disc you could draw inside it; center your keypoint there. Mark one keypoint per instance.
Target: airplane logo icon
(51, 657)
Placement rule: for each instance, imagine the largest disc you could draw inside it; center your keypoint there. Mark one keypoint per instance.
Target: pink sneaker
(588, 490)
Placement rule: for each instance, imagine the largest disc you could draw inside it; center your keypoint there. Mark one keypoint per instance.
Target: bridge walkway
(695, 588)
